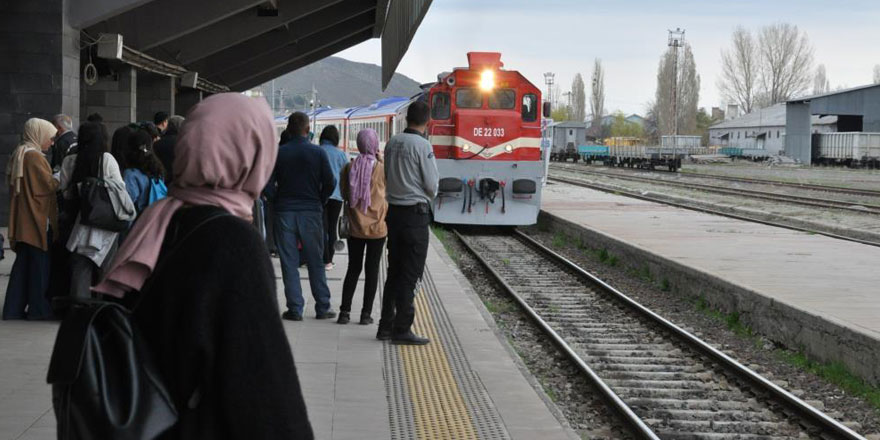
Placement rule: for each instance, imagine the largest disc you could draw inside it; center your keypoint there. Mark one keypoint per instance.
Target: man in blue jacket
(300, 186)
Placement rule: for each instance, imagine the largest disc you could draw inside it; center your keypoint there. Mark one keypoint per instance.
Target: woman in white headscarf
(32, 220)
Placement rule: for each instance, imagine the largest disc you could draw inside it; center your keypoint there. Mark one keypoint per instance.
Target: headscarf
(361, 171)
(36, 132)
(224, 156)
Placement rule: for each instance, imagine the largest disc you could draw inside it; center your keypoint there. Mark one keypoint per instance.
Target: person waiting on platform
(205, 284)
(160, 120)
(164, 147)
(144, 175)
(91, 248)
(412, 181)
(363, 187)
(32, 222)
(329, 141)
(65, 141)
(300, 186)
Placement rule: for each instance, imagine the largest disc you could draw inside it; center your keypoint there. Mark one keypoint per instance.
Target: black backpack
(105, 384)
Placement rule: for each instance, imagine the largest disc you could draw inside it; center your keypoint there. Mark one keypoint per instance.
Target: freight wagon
(848, 148)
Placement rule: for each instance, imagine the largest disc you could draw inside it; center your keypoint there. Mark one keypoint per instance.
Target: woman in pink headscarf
(203, 283)
(363, 189)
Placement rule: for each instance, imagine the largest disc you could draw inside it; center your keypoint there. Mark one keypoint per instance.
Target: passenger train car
(485, 128)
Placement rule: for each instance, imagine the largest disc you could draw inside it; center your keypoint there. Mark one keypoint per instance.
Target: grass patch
(664, 285)
(835, 373)
(730, 320)
(506, 261)
(444, 236)
(559, 239)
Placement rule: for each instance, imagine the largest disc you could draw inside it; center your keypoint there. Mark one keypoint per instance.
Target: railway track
(787, 198)
(663, 381)
(826, 188)
(641, 196)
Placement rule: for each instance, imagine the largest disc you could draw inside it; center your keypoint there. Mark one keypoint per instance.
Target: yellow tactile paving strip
(439, 409)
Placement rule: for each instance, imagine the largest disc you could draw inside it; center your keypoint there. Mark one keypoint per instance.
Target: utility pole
(549, 77)
(676, 40)
(568, 95)
(315, 105)
(273, 97)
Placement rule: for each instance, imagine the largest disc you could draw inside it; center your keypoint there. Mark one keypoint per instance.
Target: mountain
(340, 83)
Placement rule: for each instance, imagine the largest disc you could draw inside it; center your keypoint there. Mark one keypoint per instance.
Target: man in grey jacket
(411, 185)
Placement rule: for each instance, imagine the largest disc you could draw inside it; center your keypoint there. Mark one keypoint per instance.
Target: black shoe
(329, 314)
(290, 316)
(383, 335)
(343, 318)
(366, 319)
(409, 338)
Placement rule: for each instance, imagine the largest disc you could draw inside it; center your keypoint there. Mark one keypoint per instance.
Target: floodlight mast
(549, 78)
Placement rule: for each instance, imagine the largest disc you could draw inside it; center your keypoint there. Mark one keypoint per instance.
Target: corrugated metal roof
(383, 106)
(836, 92)
(404, 17)
(569, 124)
(773, 116)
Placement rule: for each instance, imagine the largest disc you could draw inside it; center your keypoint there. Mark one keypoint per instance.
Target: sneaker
(383, 335)
(343, 318)
(329, 266)
(329, 314)
(291, 316)
(366, 319)
(408, 338)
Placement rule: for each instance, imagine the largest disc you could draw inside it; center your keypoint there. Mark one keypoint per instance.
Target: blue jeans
(308, 228)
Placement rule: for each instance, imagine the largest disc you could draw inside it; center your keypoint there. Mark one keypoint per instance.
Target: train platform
(466, 384)
(810, 292)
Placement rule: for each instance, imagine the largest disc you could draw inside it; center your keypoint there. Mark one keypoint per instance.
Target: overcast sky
(564, 36)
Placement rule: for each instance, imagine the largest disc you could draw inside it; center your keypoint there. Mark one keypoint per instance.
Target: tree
(704, 121)
(620, 127)
(739, 70)
(687, 95)
(773, 67)
(786, 62)
(561, 113)
(877, 74)
(578, 98)
(597, 96)
(820, 81)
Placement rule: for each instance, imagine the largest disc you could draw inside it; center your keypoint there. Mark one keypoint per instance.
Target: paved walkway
(465, 384)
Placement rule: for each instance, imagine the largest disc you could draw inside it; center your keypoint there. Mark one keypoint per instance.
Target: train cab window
(530, 107)
(502, 99)
(468, 98)
(440, 106)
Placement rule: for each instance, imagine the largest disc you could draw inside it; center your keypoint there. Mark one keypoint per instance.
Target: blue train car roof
(336, 113)
(384, 106)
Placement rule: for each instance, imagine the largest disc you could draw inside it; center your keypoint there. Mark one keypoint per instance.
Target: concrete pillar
(113, 96)
(798, 132)
(186, 99)
(155, 93)
(39, 72)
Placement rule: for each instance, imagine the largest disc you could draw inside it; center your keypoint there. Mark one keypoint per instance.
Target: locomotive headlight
(487, 80)
(466, 148)
(508, 148)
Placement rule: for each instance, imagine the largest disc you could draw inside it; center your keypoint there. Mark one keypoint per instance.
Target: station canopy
(239, 44)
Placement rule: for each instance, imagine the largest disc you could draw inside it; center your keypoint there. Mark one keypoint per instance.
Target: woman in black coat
(207, 306)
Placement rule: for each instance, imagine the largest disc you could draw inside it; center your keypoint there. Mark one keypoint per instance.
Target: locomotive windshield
(530, 107)
(468, 98)
(440, 106)
(502, 99)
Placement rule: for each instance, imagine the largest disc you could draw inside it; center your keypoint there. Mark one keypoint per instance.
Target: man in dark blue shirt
(300, 186)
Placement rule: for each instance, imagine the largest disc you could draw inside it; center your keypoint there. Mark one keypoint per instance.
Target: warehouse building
(857, 111)
(762, 132)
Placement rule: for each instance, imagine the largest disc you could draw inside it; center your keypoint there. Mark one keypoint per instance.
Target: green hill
(340, 83)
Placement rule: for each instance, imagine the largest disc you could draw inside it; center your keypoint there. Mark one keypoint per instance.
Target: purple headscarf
(362, 169)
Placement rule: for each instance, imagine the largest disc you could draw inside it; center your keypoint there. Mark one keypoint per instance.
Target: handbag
(344, 228)
(105, 384)
(158, 191)
(95, 208)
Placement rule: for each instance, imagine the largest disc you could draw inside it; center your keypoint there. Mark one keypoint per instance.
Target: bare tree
(877, 74)
(578, 98)
(687, 96)
(597, 96)
(739, 70)
(820, 81)
(786, 62)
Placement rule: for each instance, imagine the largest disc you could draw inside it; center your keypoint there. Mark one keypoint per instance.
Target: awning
(402, 20)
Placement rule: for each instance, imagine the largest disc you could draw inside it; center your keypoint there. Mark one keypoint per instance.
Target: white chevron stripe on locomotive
(488, 152)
